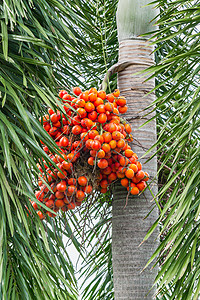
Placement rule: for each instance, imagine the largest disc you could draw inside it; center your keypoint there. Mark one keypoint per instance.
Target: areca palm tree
(47, 45)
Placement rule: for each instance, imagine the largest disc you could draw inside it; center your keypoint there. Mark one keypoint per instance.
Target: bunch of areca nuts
(94, 151)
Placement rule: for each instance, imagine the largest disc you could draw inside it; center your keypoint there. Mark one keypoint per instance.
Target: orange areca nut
(94, 140)
(82, 181)
(102, 95)
(101, 153)
(129, 173)
(140, 175)
(121, 101)
(141, 185)
(125, 182)
(110, 98)
(128, 152)
(77, 91)
(103, 163)
(134, 191)
(116, 93)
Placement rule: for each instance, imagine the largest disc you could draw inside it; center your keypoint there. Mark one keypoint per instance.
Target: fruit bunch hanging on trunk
(94, 151)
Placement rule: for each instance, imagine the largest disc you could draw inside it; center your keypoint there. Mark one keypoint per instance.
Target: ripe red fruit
(121, 101)
(113, 144)
(47, 127)
(57, 124)
(101, 108)
(96, 145)
(66, 129)
(64, 142)
(104, 183)
(87, 189)
(107, 137)
(116, 135)
(61, 187)
(123, 161)
(112, 176)
(76, 130)
(128, 152)
(104, 190)
(93, 153)
(59, 203)
(53, 131)
(84, 96)
(84, 136)
(109, 106)
(54, 118)
(133, 167)
(125, 182)
(67, 165)
(139, 165)
(77, 91)
(91, 161)
(107, 170)
(89, 123)
(80, 103)
(89, 106)
(82, 113)
(82, 181)
(98, 102)
(116, 93)
(72, 181)
(67, 97)
(59, 195)
(92, 115)
(102, 118)
(129, 173)
(123, 109)
(99, 138)
(40, 215)
(140, 175)
(112, 127)
(121, 143)
(88, 144)
(62, 175)
(62, 93)
(102, 95)
(92, 96)
(110, 98)
(71, 190)
(101, 154)
(80, 195)
(92, 134)
(135, 191)
(103, 163)
(49, 203)
(105, 147)
(141, 185)
(128, 128)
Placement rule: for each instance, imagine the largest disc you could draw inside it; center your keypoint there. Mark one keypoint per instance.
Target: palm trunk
(129, 225)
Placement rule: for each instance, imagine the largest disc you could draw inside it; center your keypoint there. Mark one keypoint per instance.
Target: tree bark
(129, 225)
